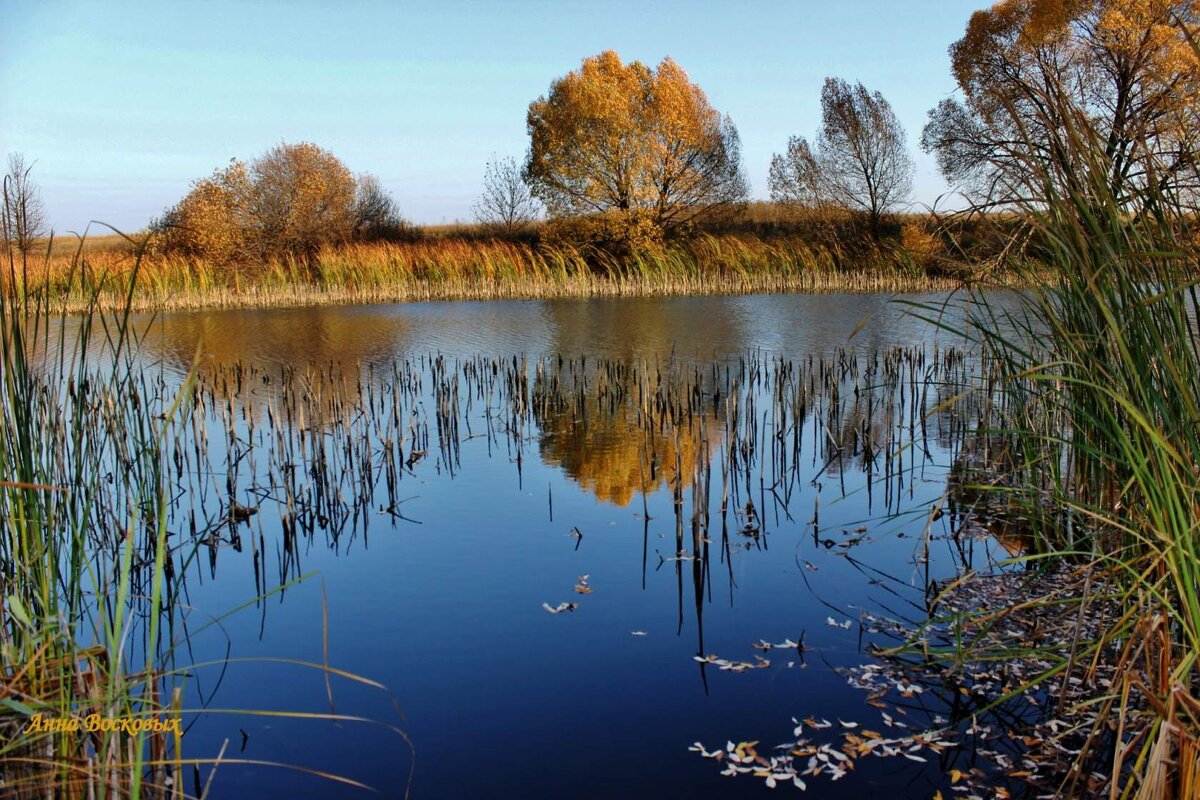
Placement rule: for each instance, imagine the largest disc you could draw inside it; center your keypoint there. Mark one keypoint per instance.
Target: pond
(570, 538)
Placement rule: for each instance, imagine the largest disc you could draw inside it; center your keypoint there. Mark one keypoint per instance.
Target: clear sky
(123, 104)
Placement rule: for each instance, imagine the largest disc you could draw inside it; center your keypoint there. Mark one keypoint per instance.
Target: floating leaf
(561, 607)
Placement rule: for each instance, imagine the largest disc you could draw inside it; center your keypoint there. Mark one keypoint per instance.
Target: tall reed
(1102, 399)
(83, 556)
(90, 622)
(478, 268)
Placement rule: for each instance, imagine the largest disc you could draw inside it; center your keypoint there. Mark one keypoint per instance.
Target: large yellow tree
(640, 145)
(1121, 70)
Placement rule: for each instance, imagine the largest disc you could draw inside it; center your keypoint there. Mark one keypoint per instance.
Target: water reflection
(605, 428)
(312, 337)
(695, 328)
(742, 453)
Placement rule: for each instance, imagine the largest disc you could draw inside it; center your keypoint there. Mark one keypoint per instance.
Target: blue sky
(123, 104)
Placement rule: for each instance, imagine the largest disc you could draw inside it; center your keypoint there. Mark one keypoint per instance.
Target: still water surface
(435, 587)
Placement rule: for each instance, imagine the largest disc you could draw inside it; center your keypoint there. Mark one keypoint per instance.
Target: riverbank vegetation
(769, 249)
(1083, 119)
(633, 184)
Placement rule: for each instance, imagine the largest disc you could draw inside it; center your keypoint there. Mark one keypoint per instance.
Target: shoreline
(298, 295)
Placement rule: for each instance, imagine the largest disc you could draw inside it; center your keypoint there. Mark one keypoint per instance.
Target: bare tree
(860, 161)
(376, 214)
(24, 216)
(506, 203)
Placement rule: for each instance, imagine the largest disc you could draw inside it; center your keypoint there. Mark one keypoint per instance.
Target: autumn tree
(212, 221)
(506, 203)
(291, 200)
(1122, 72)
(22, 215)
(637, 145)
(860, 161)
(302, 197)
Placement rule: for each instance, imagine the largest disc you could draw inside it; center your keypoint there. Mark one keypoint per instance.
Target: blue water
(487, 694)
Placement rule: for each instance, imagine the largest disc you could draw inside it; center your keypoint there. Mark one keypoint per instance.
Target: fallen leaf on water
(561, 607)
(745, 750)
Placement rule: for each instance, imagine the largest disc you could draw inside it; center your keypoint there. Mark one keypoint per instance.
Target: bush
(289, 202)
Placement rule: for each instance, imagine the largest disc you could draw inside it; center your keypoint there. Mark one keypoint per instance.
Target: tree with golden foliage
(211, 221)
(291, 200)
(303, 197)
(1122, 70)
(637, 146)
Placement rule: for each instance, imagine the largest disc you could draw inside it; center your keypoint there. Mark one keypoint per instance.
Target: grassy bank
(479, 268)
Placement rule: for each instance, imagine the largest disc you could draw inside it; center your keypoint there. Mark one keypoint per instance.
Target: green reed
(1101, 411)
(82, 558)
(90, 624)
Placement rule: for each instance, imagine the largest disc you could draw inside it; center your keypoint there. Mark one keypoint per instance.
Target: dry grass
(455, 267)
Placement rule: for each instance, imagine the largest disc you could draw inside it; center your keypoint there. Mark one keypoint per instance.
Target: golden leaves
(1122, 69)
(920, 244)
(638, 143)
(293, 199)
(1012, 32)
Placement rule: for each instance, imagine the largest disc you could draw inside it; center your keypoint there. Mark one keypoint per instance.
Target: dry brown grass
(445, 267)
